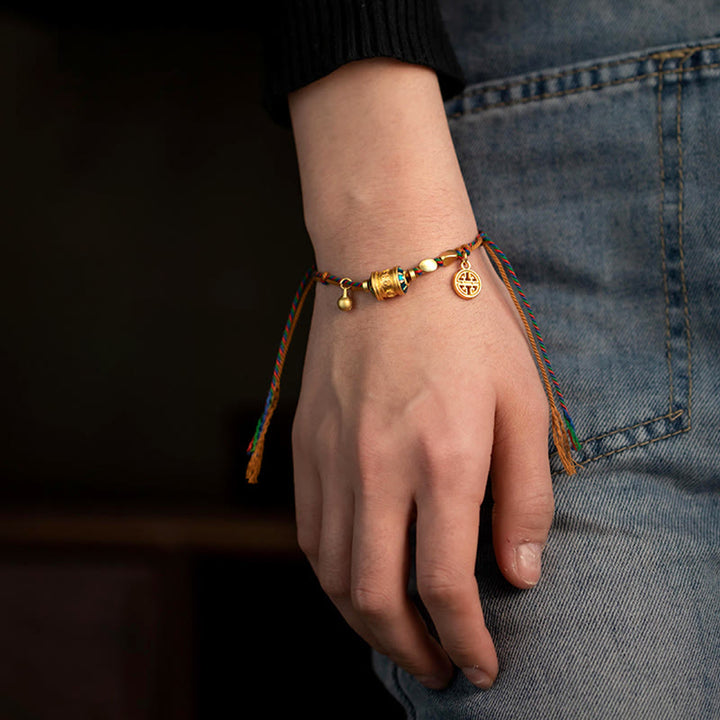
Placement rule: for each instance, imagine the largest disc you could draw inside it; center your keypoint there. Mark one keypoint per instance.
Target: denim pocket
(588, 178)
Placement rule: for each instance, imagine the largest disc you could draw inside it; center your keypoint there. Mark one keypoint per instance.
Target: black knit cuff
(305, 40)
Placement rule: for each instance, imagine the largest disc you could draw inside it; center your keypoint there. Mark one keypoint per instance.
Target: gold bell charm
(345, 303)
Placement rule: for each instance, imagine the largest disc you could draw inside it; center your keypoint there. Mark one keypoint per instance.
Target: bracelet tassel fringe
(563, 430)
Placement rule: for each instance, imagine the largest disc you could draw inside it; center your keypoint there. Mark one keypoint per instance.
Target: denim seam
(573, 91)
(668, 416)
(661, 225)
(680, 235)
(681, 238)
(661, 55)
(680, 70)
(631, 447)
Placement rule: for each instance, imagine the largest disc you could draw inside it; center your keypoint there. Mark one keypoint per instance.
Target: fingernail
(478, 677)
(527, 562)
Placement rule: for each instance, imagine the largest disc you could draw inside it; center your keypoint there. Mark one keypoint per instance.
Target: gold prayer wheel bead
(388, 283)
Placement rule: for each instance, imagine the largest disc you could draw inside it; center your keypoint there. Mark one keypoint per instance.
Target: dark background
(151, 241)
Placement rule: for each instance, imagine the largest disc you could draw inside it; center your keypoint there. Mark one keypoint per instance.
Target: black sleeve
(307, 39)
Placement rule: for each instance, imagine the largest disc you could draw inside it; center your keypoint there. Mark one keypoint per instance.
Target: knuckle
(537, 509)
(528, 517)
(542, 506)
(439, 453)
(452, 467)
(312, 437)
(371, 602)
(441, 587)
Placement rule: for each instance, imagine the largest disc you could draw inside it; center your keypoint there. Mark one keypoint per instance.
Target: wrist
(377, 240)
(380, 179)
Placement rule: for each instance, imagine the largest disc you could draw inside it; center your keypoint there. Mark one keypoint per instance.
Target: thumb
(522, 493)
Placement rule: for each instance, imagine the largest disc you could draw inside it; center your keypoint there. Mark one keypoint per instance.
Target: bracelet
(394, 282)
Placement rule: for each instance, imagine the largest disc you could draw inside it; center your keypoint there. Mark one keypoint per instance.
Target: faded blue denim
(599, 176)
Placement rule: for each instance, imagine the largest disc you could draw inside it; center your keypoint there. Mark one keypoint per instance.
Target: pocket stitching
(668, 416)
(661, 55)
(671, 414)
(681, 71)
(575, 91)
(631, 447)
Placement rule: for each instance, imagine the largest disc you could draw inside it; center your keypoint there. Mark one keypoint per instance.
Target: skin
(408, 405)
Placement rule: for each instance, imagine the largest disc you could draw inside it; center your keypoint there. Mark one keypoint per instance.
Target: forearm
(380, 179)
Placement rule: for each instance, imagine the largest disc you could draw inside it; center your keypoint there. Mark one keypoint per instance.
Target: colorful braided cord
(280, 359)
(541, 343)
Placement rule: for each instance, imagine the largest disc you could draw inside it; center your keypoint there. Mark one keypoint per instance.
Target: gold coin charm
(467, 283)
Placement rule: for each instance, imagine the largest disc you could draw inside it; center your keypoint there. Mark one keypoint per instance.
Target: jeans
(600, 179)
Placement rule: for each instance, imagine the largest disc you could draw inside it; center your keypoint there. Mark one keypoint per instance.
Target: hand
(407, 405)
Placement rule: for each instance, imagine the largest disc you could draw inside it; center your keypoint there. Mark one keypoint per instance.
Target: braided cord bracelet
(384, 284)
(394, 282)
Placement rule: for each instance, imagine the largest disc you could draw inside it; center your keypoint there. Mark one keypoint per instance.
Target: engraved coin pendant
(467, 283)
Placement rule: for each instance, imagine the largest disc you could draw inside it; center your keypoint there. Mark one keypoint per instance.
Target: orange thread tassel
(257, 444)
(560, 436)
